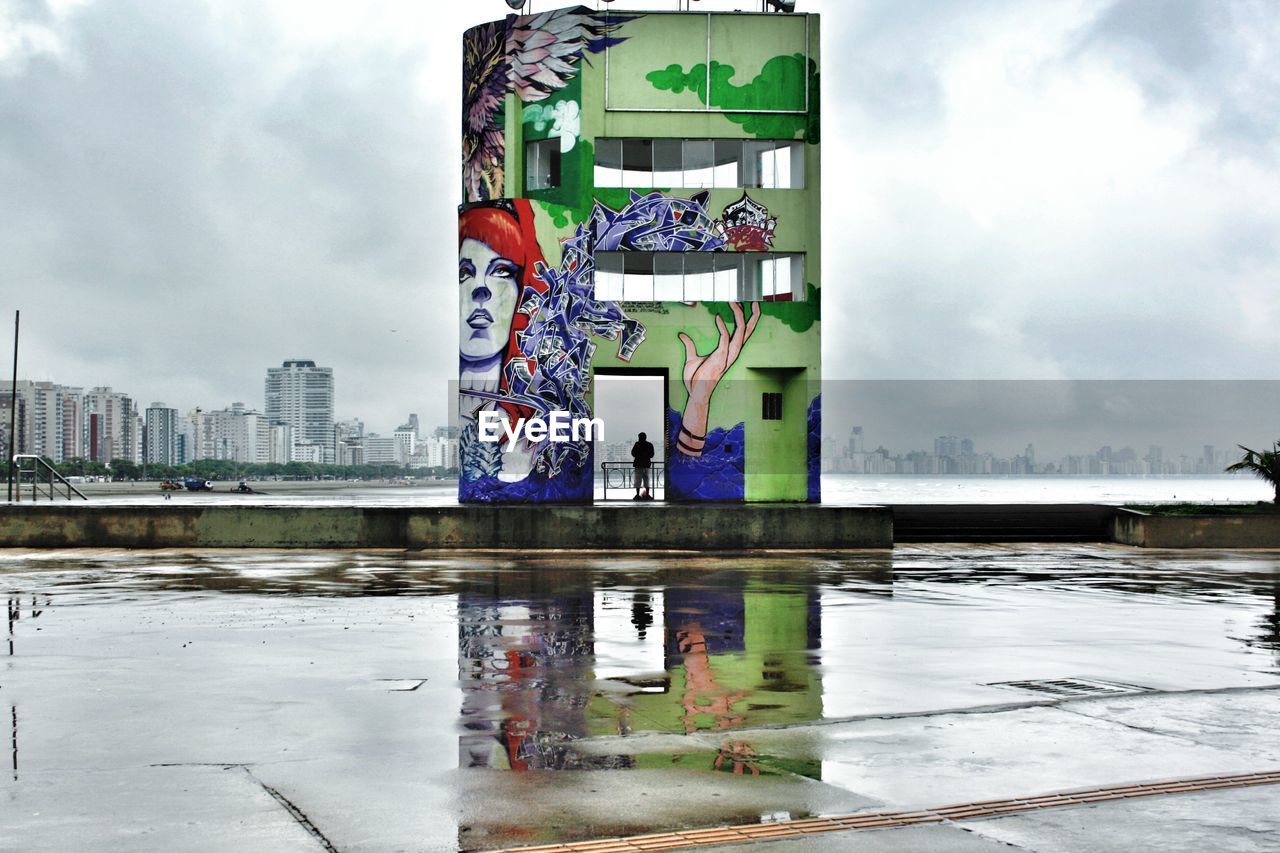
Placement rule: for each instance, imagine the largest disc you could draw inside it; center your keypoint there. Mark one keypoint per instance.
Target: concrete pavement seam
(296, 813)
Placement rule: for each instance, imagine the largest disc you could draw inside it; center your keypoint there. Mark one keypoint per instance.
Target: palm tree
(1264, 464)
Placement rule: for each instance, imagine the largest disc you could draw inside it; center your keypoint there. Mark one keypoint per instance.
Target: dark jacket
(642, 453)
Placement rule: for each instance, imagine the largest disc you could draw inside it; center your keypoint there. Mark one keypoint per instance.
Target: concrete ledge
(1196, 531)
(713, 527)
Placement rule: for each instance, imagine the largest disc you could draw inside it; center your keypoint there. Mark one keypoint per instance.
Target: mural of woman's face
(489, 285)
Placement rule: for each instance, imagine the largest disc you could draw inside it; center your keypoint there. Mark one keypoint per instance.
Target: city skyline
(962, 456)
(1069, 190)
(1061, 418)
(295, 424)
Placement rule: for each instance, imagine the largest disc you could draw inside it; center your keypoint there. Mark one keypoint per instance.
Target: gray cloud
(1219, 54)
(966, 240)
(190, 206)
(195, 191)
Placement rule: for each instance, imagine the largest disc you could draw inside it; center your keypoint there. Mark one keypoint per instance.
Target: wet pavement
(391, 700)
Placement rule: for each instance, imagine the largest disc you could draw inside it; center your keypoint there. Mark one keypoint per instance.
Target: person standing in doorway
(642, 458)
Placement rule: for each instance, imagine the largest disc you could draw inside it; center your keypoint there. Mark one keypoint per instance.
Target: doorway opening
(629, 401)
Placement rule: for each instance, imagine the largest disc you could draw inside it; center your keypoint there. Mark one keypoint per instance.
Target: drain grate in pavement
(886, 820)
(1068, 687)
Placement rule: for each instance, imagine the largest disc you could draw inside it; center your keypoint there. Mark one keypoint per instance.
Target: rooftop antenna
(782, 5)
(519, 5)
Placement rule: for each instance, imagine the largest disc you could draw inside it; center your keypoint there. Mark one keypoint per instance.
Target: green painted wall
(652, 82)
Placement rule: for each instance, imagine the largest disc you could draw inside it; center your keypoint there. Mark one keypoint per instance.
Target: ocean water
(855, 488)
(838, 489)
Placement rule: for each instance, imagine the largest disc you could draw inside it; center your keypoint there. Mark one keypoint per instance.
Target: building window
(542, 164)
(700, 163)
(637, 162)
(699, 276)
(771, 406)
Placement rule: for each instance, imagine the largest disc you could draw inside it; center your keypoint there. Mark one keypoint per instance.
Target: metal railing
(620, 477)
(41, 475)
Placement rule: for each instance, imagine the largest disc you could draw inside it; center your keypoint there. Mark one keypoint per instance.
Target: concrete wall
(516, 528)
(1196, 531)
(513, 528)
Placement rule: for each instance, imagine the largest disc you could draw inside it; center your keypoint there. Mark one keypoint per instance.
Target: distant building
(300, 394)
(7, 420)
(406, 438)
(236, 433)
(160, 441)
(435, 452)
(380, 450)
(352, 454)
(280, 450)
(855, 440)
(348, 438)
(310, 452)
(188, 445)
(43, 428)
(73, 418)
(114, 427)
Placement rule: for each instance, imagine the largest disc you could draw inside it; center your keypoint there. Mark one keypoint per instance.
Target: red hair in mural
(506, 228)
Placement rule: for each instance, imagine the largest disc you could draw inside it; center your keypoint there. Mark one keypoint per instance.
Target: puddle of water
(442, 664)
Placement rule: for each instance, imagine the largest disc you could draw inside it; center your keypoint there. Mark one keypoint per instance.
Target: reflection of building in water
(737, 655)
(525, 660)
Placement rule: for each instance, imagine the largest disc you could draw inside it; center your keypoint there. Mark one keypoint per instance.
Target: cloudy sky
(193, 191)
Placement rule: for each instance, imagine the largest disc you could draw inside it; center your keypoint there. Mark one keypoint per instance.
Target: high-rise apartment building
(114, 429)
(188, 442)
(42, 428)
(236, 433)
(160, 442)
(16, 443)
(73, 417)
(300, 394)
(281, 448)
(348, 439)
(406, 437)
(642, 197)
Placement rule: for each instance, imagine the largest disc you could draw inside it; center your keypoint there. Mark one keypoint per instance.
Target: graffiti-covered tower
(641, 193)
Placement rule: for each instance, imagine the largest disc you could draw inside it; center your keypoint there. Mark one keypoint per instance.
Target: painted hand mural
(708, 463)
(702, 373)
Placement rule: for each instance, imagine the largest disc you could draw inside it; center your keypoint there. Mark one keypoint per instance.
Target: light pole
(13, 405)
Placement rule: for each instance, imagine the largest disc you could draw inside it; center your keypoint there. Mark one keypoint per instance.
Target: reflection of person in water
(499, 290)
(702, 373)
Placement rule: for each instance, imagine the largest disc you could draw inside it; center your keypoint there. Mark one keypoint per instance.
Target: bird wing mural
(531, 56)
